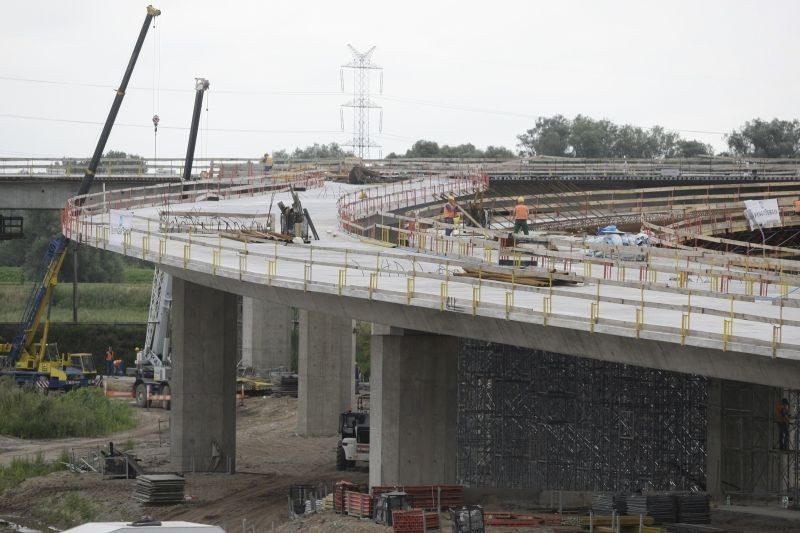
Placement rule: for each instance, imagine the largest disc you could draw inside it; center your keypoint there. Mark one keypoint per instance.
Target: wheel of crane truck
(141, 395)
(166, 404)
(341, 458)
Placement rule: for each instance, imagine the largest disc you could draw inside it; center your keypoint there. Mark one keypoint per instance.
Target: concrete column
(714, 439)
(266, 334)
(326, 372)
(203, 417)
(413, 408)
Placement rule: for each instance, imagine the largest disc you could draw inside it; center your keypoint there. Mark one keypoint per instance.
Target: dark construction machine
(353, 446)
(33, 361)
(296, 221)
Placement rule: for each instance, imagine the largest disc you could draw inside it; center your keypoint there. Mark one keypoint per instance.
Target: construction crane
(153, 361)
(37, 362)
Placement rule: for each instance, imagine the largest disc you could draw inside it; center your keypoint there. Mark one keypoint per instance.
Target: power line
(264, 92)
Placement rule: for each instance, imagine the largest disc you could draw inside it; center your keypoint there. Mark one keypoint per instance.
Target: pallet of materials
(338, 494)
(499, 519)
(159, 488)
(468, 519)
(428, 496)
(414, 521)
(357, 504)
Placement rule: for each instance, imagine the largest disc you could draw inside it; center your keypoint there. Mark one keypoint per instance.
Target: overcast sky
(454, 71)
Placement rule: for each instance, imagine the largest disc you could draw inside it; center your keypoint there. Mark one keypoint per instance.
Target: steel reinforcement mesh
(539, 420)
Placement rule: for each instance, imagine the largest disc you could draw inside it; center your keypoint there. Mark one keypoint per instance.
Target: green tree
(320, 151)
(498, 152)
(693, 149)
(591, 138)
(423, 148)
(550, 136)
(759, 138)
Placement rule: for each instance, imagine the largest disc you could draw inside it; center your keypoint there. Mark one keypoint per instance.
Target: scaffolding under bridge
(538, 420)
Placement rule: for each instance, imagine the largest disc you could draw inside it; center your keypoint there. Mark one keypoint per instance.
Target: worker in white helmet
(521, 216)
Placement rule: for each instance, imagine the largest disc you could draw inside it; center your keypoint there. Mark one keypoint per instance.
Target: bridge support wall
(413, 408)
(203, 418)
(326, 368)
(266, 334)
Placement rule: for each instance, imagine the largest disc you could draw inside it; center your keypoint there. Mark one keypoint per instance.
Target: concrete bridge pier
(266, 334)
(326, 371)
(413, 407)
(203, 416)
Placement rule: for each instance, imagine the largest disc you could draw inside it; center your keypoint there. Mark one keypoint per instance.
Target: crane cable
(156, 85)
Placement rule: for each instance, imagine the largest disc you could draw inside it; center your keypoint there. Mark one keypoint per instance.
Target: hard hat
(520, 200)
(452, 197)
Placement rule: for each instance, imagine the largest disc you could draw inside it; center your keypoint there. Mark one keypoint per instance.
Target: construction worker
(521, 216)
(782, 418)
(109, 361)
(449, 214)
(267, 162)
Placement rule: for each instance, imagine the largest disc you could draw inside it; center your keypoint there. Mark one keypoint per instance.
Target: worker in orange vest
(521, 216)
(449, 214)
(782, 418)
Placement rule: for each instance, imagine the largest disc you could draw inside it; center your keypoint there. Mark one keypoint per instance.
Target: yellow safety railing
(342, 279)
(214, 261)
(126, 241)
(272, 269)
(373, 283)
(409, 289)
(727, 333)
(639, 320)
(509, 303)
(777, 338)
(487, 255)
(242, 265)
(162, 249)
(594, 315)
(442, 296)
(546, 308)
(306, 276)
(476, 299)
(685, 318)
(145, 245)
(187, 253)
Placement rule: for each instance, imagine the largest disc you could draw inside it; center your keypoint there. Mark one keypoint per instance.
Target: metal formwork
(532, 419)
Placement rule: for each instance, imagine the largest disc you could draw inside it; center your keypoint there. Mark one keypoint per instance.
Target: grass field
(97, 302)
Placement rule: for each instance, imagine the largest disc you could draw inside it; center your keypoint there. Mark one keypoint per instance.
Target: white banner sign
(119, 223)
(762, 213)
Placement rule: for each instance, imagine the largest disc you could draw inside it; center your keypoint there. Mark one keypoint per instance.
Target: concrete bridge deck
(686, 310)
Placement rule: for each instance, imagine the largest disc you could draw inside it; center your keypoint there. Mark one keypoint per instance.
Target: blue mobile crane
(37, 362)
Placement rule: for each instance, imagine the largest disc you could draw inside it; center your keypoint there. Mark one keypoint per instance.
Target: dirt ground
(270, 458)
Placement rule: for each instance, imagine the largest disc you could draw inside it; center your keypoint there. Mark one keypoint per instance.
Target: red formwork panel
(427, 496)
(358, 504)
(411, 521)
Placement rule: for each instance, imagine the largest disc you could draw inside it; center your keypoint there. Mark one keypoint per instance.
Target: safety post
(214, 261)
(714, 282)
(784, 290)
(272, 268)
(546, 307)
(162, 249)
(587, 269)
(476, 299)
(652, 275)
(748, 287)
(373, 283)
(385, 234)
(126, 241)
(443, 296)
(462, 248)
(306, 276)
(685, 317)
(593, 315)
(409, 289)
(187, 251)
(607, 270)
(683, 279)
(727, 332)
(776, 339)
(517, 259)
(242, 264)
(342, 279)
(621, 273)
(487, 255)
(509, 303)
(145, 245)
(639, 320)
